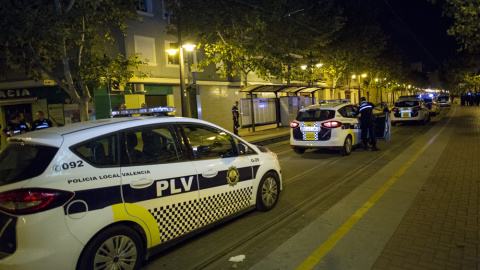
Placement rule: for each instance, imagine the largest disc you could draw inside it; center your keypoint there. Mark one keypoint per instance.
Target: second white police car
(334, 124)
(106, 194)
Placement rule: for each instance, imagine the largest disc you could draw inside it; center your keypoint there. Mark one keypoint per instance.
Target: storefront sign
(14, 93)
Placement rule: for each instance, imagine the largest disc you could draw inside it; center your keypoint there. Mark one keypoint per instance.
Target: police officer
(368, 123)
(41, 122)
(16, 125)
(236, 117)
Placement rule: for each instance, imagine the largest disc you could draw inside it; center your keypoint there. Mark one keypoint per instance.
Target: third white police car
(106, 194)
(334, 124)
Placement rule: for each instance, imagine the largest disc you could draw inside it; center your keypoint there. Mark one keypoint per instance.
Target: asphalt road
(313, 182)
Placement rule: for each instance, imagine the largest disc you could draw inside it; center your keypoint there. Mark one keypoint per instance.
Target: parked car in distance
(444, 100)
(432, 105)
(410, 109)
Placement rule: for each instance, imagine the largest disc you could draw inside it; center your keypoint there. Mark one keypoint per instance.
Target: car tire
(299, 150)
(97, 253)
(268, 192)
(347, 146)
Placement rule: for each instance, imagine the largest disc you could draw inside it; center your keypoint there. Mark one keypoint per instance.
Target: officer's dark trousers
(236, 125)
(368, 127)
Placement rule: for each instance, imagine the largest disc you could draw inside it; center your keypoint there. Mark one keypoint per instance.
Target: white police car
(410, 109)
(444, 100)
(106, 194)
(334, 124)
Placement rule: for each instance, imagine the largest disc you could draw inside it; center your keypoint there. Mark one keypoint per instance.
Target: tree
(248, 36)
(466, 26)
(66, 41)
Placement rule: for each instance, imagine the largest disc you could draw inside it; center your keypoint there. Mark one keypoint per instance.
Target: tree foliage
(69, 41)
(466, 26)
(255, 36)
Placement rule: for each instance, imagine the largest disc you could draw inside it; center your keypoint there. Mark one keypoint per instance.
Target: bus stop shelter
(290, 90)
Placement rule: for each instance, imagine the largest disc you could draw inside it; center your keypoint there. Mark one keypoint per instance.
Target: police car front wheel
(268, 191)
(118, 247)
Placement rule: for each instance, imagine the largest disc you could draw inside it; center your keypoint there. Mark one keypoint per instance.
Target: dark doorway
(26, 109)
(156, 101)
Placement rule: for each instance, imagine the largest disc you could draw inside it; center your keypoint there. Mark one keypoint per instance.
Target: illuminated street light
(189, 47)
(304, 67)
(183, 89)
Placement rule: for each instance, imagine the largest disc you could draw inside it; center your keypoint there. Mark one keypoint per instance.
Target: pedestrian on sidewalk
(236, 117)
(367, 123)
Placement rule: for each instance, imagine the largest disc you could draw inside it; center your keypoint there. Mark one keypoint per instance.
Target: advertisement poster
(55, 114)
(71, 113)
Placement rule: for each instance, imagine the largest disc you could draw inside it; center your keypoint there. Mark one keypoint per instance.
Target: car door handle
(209, 173)
(141, 183)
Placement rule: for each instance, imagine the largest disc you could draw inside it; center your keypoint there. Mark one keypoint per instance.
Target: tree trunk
(83, 110)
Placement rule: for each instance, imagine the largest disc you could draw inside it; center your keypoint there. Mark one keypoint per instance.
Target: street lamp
(183, 89)
(311, 77)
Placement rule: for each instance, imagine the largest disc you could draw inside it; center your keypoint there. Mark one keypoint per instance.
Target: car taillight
(294, 124)
(394, 109)
(33, 200)
(332, 124)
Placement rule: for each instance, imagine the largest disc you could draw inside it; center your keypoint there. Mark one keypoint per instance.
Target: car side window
(100, 151)
(350, 112)
(148, 146)
(208, 142)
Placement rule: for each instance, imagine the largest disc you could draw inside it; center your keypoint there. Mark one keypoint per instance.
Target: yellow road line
(321, 251)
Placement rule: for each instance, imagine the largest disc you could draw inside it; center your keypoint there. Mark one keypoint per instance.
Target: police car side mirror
(242, 149)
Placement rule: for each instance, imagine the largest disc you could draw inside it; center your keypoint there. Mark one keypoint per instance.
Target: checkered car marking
(177, 219)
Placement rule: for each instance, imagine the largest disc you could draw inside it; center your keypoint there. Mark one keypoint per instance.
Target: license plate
(311, 129)
(405, 114)
(310, 136)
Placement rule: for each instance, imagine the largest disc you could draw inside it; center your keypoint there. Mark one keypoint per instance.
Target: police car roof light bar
(154, 111)
(333, 100)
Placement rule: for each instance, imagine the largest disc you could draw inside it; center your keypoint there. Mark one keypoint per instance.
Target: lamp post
(311, 77)
(183, 89)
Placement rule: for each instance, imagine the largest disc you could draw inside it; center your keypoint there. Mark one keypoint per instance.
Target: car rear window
(442, 98)
(315, 115)
(19, 162)
(406, 103)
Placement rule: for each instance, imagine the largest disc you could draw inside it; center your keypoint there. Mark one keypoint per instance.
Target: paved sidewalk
(265, 134)
(441, 228)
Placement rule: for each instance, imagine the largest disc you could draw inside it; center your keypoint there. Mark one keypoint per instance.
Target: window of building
(145, 46)
(172, 59)
(144, 7)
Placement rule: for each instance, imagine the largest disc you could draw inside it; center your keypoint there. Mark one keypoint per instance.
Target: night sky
(419, 30)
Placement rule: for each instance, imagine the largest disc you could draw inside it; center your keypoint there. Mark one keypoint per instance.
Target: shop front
(49, 99)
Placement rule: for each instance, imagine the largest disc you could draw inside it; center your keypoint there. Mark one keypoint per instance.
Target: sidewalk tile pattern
(441, 229)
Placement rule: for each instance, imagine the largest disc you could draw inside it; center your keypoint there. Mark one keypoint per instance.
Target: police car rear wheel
(299, 150)
(118, 247)
(347, 146)
(268, 191)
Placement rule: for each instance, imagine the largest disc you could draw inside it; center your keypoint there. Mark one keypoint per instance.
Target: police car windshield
(315, 115)
(406, 103)
(20, 162)
(427, 99)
